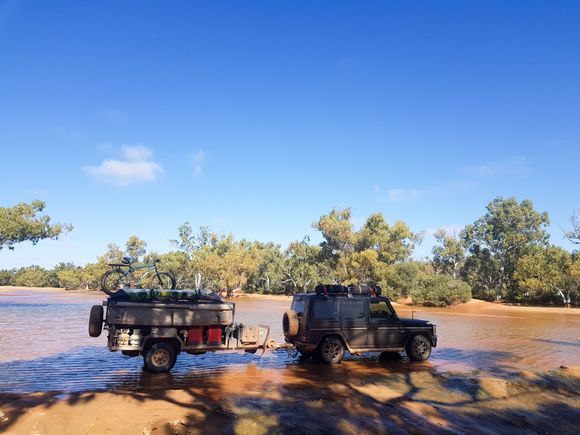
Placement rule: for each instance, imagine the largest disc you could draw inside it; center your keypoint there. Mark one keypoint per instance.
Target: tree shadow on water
(362, 395)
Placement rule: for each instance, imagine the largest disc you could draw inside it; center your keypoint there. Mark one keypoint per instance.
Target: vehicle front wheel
(160, 357)
(418, 348)
(331, 350)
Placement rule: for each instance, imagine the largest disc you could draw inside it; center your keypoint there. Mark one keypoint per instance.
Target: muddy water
(44, 346)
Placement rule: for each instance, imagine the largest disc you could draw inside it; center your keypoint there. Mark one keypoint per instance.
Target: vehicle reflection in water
(45, 347)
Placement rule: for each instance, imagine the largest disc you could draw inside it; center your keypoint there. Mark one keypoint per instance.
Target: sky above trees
(256, 118)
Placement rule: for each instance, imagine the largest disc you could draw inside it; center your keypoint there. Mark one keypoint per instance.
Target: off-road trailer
(193, 322)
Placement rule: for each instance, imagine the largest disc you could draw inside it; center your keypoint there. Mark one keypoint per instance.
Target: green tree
(496, 242)
(68, 275)
(32, 276)
(269, 275)
(302, 266)
(23, 222)
(178, 264)
(135, 247)
(440, 291)
(362, 256)
(403, 279)
(546, 272)
(338, 234)
(449, 256)
(392, 243)
(7, 277)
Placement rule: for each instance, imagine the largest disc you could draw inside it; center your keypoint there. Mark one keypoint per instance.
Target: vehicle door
(323, 316)
(355, 322)
(384, 325)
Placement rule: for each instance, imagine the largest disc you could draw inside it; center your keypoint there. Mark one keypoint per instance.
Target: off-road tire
(331, 350)
(111, 280)
(160, 357)
(96, 321)
(162, 281)
(290, 323)
(418, 348)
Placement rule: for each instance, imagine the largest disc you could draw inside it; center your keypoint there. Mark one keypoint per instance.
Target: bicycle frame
(131, 269)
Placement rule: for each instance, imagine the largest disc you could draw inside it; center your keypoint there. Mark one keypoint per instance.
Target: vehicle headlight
(435, 330)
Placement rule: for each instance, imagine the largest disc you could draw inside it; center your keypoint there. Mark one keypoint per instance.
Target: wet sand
(296, 402)
(496, 370)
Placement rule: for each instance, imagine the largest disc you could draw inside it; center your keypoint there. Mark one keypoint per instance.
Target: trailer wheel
(96, 321)
(290, 323)
(160, 357)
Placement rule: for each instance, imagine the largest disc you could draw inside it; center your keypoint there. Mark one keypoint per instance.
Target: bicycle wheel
(112, 281)
(162, 280)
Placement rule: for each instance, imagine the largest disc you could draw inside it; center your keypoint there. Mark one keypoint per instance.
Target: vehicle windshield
(380, 310)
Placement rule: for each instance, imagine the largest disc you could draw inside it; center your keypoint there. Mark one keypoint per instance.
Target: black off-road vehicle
(357, 319)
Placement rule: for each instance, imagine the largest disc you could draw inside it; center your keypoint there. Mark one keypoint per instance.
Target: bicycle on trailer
(122, 276)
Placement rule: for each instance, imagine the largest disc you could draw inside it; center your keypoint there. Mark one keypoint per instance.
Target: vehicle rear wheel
(160, 357)
(418, 348)
(290, 323)
(162, 280)
(96, 321)
(112, 281)
(331, 350)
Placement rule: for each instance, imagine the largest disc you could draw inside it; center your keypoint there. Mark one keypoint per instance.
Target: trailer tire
(96, 321)
(160, 357)
(290, 323)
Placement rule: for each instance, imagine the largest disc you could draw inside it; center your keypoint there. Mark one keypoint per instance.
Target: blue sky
(257, 117)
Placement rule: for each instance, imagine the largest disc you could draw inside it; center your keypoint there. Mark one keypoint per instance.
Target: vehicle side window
(353, 310)
(380, 310)
(325, 310)
(298, 306)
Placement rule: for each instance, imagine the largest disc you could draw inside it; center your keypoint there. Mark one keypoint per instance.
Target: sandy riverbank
(416, 401)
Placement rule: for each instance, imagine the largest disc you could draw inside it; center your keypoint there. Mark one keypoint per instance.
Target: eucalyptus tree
(363, 256)
(24, 222)
(448, 257)
(546, 272)
(496, 242)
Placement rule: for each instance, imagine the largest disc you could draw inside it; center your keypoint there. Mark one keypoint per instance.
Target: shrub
(440, 291)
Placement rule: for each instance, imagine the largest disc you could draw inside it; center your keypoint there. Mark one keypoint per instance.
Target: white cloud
(136, 166)
(197, 160)
(136, 153)
(396, 194)
(402, 194)
(512, 166)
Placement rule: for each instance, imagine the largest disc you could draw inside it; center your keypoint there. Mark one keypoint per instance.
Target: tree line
(504, 255)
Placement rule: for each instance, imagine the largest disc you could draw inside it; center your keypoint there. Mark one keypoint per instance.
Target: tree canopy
(505, 254)
(24, 222)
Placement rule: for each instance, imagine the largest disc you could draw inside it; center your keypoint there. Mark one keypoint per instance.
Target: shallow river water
(44, 346)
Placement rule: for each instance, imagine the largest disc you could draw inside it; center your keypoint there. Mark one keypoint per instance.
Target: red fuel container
(214, 335)
(195, 335)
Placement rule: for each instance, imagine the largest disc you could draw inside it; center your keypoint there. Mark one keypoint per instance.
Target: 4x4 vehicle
(357, 319)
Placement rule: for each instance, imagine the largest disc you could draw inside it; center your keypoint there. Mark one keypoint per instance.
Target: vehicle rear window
(298, 306)
(327, 309)
(352, 310)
